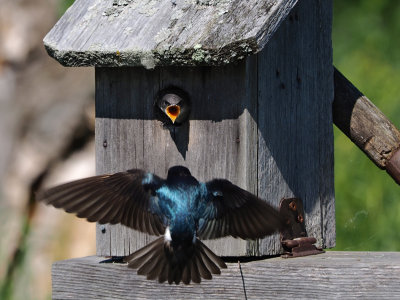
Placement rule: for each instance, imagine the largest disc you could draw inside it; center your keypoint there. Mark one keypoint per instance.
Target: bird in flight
(180, 209)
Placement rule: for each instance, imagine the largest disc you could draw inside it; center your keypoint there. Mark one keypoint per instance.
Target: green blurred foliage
(366, 42)
(63, 6)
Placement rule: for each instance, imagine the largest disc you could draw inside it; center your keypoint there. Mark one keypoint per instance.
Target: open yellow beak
(173, 112)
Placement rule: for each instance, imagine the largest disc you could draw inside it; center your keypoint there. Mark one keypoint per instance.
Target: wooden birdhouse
(259, 79)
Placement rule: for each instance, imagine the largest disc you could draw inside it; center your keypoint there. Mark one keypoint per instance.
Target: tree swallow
(172, 106)
(180, 208)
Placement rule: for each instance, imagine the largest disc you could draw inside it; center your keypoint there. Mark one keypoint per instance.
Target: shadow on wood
(180, 136)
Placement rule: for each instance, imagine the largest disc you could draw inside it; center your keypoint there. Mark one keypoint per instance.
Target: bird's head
(171, 106)
(178, 171)
(174, 103)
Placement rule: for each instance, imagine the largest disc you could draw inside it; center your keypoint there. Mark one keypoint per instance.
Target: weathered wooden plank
(165, 32)
(357, 117)
(333, 275)
(295, 147)
(120, 141)
(218, 142)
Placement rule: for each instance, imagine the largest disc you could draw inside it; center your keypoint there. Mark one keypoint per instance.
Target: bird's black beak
(173, 112)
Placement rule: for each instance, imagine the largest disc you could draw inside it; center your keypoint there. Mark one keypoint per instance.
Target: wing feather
(233, 211)
(127, 197)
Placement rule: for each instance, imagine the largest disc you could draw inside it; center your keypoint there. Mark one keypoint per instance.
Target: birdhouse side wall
(295, 145)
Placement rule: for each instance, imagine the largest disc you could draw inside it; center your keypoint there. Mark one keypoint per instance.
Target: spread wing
(127, 197)
(233, 211)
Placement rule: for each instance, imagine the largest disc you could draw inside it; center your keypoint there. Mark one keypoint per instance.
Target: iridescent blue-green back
(180, 202)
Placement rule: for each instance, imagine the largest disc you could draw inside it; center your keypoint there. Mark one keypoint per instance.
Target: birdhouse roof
(153, 33)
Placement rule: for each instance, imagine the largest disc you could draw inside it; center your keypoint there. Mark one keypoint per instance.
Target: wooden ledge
(330, 275)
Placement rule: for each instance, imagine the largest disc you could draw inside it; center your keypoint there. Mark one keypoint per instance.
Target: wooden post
(357, 117)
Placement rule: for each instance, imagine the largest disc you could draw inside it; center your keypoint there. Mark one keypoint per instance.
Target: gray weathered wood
(256, 123)
(357, 117)
(164, 32)
(295, 147)
(219, 141)
(333, 275)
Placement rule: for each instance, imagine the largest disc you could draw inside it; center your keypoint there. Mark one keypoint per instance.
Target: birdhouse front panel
(264, 123)
(218, 141)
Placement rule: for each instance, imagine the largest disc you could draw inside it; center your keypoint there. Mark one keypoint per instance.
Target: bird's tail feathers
(162, 260)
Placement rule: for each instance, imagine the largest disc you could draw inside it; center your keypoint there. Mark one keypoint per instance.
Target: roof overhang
(153, 33)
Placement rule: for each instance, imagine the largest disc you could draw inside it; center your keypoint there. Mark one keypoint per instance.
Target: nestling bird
(180, 208)
(172, 106)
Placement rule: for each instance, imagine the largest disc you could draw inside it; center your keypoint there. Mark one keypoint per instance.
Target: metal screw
(300, 218)
(293, 206)
(105, 144)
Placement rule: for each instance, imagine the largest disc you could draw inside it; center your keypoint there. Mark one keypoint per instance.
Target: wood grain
(357, 117)
(333, 275)
(153, 33)
(256, 123)
(215, 144)
(295, 145)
